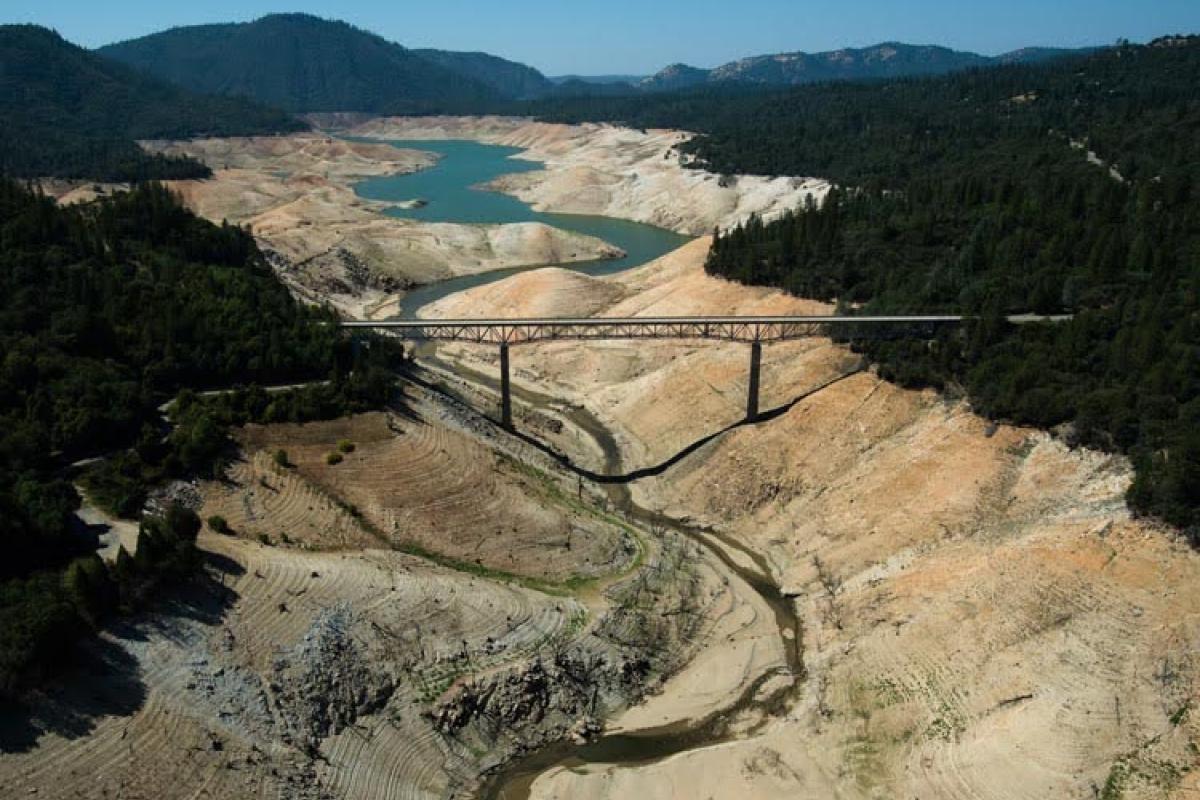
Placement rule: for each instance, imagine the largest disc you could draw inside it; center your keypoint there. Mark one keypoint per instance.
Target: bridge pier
(505, 389)
(752, 394)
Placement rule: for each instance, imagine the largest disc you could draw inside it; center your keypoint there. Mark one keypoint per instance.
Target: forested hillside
(1070, 187)
(106, 311)
(508, 78)
(304, 64)
(884, 60)
(70, 113)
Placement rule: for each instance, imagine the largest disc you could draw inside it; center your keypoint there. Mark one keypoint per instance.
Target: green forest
(302, 63)
(107, 311)
(70, 113)
(1071, 187)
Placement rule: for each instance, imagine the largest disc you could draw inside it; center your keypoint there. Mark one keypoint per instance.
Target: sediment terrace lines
(423, 484)
(259, 498)
(205, 727)
(386, 758)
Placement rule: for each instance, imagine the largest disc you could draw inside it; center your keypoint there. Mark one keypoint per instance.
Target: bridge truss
(729, 329)
(756, 331)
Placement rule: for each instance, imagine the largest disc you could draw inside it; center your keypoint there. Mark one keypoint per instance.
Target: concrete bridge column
(505, 389)
(752, 395)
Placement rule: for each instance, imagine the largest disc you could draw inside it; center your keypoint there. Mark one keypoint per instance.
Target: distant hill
(597, 79)
(1032, 55)
(581, 87)
(886, 60)
(304, 64)
(509, 78)
(676, 76)
(70, 113)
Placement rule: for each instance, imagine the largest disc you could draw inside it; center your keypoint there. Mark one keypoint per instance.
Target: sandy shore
(295, 194)
(612, 171)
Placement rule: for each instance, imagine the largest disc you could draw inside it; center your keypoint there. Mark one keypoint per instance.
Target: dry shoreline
(980, 615)
(976, 601)
(323, 662)
(330, 245)
(610, 171)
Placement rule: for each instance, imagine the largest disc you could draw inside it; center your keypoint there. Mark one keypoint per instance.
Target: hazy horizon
(628, 38)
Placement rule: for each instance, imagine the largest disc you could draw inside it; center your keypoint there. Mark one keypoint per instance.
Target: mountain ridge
(306, 64)
(71, 113)
(884, 60)
(510, 78)
(303, 63)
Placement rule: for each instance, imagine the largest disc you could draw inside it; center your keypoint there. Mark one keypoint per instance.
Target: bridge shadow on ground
(661, 467)
(104, 676)
(657, 469)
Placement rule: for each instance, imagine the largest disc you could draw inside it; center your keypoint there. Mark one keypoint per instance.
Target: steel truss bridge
(729, 329)
(754, 331)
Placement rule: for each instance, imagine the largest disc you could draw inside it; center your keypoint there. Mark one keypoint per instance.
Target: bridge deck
(754, 330)
(737, 329)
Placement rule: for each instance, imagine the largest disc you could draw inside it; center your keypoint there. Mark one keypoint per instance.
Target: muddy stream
(515, 780)
(450, 191)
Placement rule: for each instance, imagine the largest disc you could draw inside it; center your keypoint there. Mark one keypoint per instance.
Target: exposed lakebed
(451, 191)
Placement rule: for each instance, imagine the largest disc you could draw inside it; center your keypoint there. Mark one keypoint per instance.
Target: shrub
(219, 524)
(38, 625)
(281, 458)
(167, 544)
(346, 446)
(117, 485)
(90, 588)
(333, 459)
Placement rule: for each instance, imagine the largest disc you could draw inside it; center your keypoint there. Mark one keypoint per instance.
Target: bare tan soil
(413, 483)
(982, 619)
(191, 704)
(330, 245)
(611, 171)
(312, 667)
(68, 192)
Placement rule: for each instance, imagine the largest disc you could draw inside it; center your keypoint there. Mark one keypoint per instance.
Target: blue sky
(640, 36)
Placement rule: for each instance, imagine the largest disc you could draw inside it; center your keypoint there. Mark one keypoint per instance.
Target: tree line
(71, 113)
(107, 311)
(1071, 187)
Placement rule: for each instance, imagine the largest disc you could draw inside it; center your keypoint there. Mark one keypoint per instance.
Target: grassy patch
(1140, 768)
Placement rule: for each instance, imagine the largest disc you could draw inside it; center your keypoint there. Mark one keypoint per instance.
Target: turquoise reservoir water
(449, 193)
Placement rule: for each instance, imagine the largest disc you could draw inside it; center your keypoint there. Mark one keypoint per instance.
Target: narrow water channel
(450, 192)
(515, 781)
